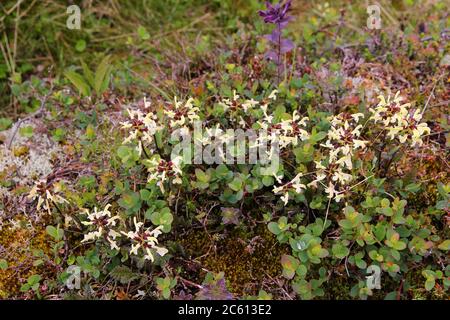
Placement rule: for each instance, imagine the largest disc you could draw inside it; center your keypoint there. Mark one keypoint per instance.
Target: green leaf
(267, 181)
(25, 287)
(236, 184)
(393, 241)
(123, 151)
(162, 218)
(386, 211)
(413, 187)
(38, 262)
(222, 171)
(290, 265)
(145, 194)
(143, 34)
(316, 137)
(429, 283)
(26, 131)
(273, 227)
(101, 80)
(202, 176)
(130, 201)
(33, 279)
(59, 134)
(302, 270)
(80, 46)
(391, 295)
(164, 285)
(445, 246)
(304, 154)
(123, 274)
(361, 264)
(380, 231)
(346, 224)
(56, 233)
(375, 256)
(340, 251)
(90, 132)
(5, 123)
(385, 203)
(3, 264)
(88, 74)
(79, 82)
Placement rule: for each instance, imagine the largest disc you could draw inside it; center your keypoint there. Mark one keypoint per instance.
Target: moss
(338, 288)
(247, 258)
(417, 290)
(19, 244)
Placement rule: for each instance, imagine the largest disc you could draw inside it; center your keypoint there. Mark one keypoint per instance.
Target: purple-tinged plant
(216, 290)
(277, 15)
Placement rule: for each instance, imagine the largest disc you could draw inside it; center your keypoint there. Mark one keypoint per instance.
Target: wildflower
(276, 14)
(390, 111)
(104, 223)
(145, 240)
(287, 132)
(142, 128)
(147, 104)
(413, 129)
(162, 171)
(235, 103)
(46, 195)
(399, 121)
(180, 114)
(295, 185)
(273, 95)
(343, 140)
(248, 104)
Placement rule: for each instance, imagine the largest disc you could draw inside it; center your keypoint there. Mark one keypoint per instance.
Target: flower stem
(279, 53)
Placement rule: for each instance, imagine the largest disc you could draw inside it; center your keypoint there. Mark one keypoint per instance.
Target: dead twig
(34, 114)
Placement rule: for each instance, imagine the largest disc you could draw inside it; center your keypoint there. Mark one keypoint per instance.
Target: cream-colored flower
(400, 122)
(285, 133)
(343, 139)
(144, 240)
(249, 104)
(104, 223)
(161, 171)
(141, 128)
(293, 185)
(180, 114)
(273, 95)
(46, 195)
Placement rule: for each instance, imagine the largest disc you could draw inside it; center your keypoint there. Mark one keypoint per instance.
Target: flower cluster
(180, 115)
(142, 128)
(236, 104)
(104, 226)
(343, 141)
(399, 121)
(287, 132)
(294, 185)
(103, 223)
(333, 171)
(144, 239)
(46, 195)
(161, 170)
(277, 15)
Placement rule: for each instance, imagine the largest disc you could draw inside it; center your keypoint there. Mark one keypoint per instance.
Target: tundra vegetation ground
(94, 207)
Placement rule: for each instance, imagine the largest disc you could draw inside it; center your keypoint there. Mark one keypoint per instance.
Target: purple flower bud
(276, 14)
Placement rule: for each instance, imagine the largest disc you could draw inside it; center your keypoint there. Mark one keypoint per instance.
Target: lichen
(28, 159)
